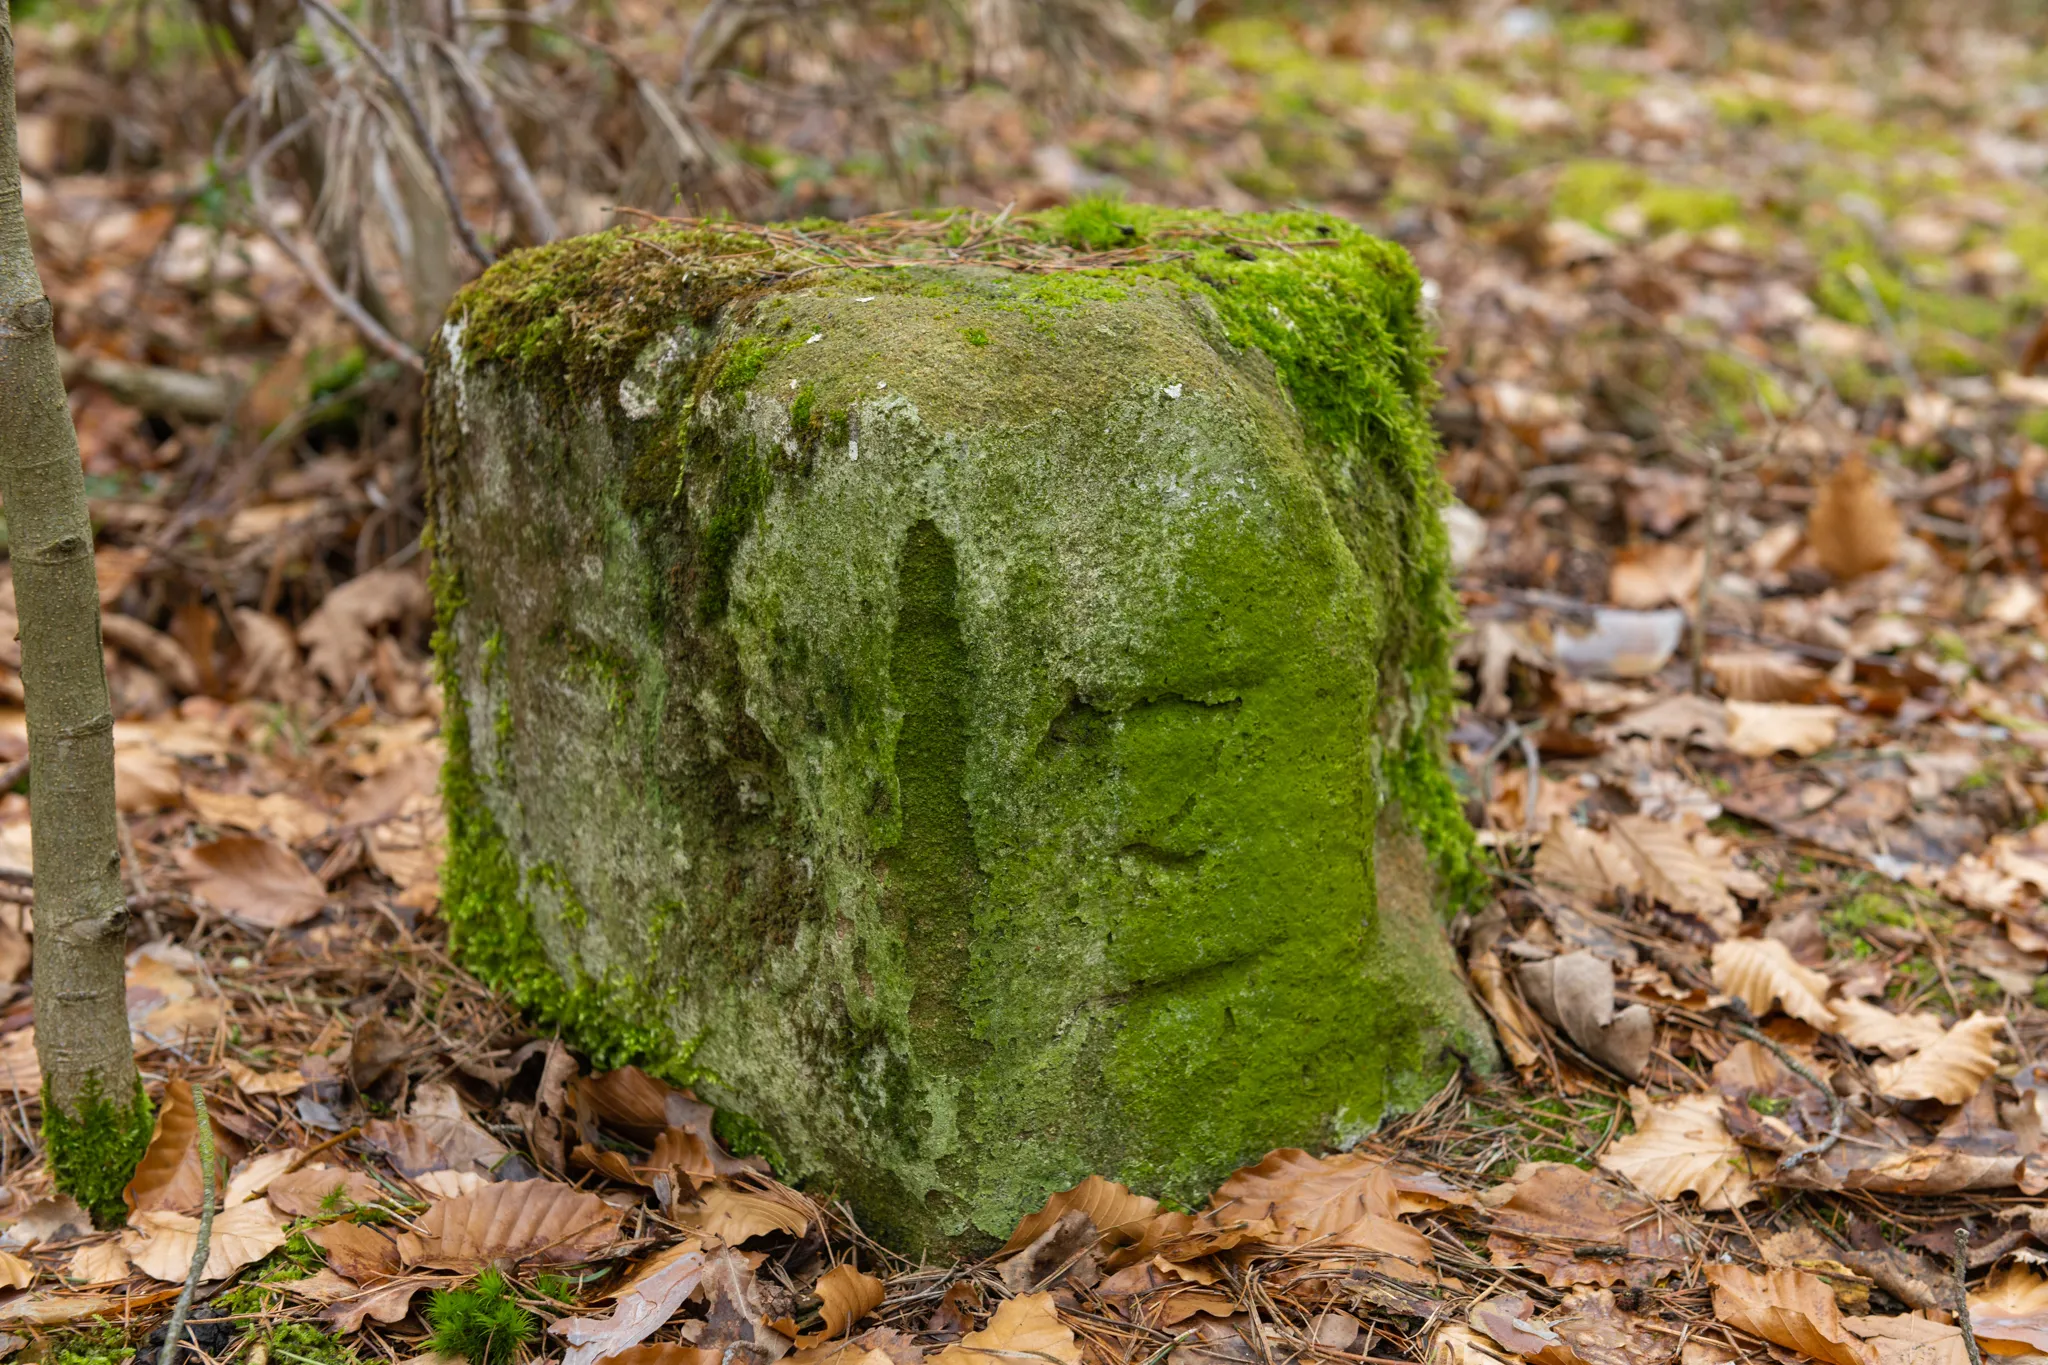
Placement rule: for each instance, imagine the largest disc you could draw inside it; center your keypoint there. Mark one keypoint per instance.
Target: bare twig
(349, 307)
(1962, 1308)
(514, 176)
(413, 116)
(169, 1354)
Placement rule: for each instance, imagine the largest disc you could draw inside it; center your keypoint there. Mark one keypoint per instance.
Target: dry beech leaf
(55, 1307)
(2010, 1312)
(15, 1273)
(345, 1305)
(1656, 574)
(847, 1295)
(534, 1221)
(1113, 1209)
(1457, 1344)
(648, 1303)
(1758, 675)
(256, 881)
(168, 1176)
(1584, 863)
(304, 1193)
(434, 1142)
(448, 1184)
(674, 1353)
(1762, 974)
(291, 820)
(1545, 1210)
(337, 636)
(735, 1216)
(356, 1252)
(1676, 872)
(1590, 1330)
(1758, 729)
(1873, 1028)
(253, 1176)
(1679, 1145)
(1853, 526)
(250, 1081)
(49, 1220)
(98, 1263)
(1346, 1199)
(1575, 992)
(1789, 1308)
(1910, 1341)
(1024, 1329)
(161, 1244)
(1949, 1070)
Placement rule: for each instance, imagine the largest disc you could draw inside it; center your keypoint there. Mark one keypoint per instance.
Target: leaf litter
(1766, 962)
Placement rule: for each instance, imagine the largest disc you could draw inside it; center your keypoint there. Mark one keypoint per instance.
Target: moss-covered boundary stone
(966, 693)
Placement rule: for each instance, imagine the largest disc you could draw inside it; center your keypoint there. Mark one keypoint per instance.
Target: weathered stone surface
(980, 724)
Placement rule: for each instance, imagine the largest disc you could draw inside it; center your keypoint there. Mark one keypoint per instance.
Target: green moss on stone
(959, 932)
(93, 1151)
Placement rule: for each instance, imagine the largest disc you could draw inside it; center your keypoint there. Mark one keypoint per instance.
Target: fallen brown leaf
(1113, 1209)
(1758, 729)
(1873, 1028)
(1656, 574)
(1026, 1328)
(1789, 1308)
(1949, 1070)
(1763, 975)
(1546, 1210)
(355, 1252)
(650, 1301)
(161, 1244)
(532, 1221)
(1760, 676)
(304, 1193)
(256, 881)
(2009, 1313)
(1910, 1341)
(98, 1263)
(337, 636)
(1575, 992)
(250, 1081)
(1682, 1144)
(1853, 526)
(15, 1273)
(169, 1177)
(735, 1216)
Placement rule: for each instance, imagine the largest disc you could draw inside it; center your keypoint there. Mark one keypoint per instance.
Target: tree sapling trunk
(96, 1119)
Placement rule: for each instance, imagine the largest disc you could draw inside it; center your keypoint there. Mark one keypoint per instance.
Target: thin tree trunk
(96, 1120)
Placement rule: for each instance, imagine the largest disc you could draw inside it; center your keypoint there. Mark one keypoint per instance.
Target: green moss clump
(1101, 222)
(93, 1152)
(483, 1324)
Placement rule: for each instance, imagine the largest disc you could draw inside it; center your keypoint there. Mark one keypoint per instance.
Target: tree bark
(95, 1119)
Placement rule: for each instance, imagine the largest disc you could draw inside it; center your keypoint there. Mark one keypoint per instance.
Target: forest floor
(1751, 535)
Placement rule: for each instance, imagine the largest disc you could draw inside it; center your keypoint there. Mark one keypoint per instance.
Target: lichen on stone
(981, 683)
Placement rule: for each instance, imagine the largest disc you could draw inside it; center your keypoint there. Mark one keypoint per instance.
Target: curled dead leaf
(846, 1295)
(1853, 525)
(161, 1244)
(1789, 1308)
(2010, 1312)
(643, 1307)
(735, 1216)
(1873, 1028)
(1115, 1211)
(168, 1176)
(1758, 729)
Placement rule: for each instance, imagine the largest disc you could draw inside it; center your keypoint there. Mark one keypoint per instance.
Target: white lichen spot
(853, 449)
(1173, 390)
(865, 298)
(792, 385)
(814, 337)
(881, 383)
(639, 400)
(458, 365)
